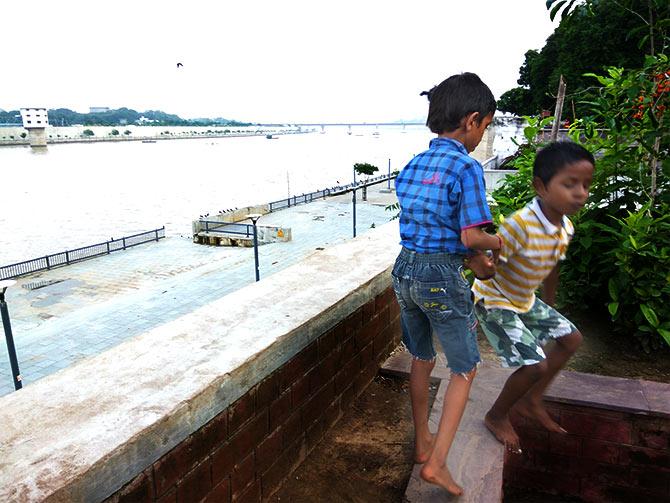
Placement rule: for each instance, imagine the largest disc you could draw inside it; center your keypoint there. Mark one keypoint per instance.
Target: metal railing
(78, 254)
(322, 194)
(227, 228)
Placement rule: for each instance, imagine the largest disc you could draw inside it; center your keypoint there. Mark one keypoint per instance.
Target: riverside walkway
(89, 307)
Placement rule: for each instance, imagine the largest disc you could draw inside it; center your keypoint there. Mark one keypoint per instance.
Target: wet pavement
(64, 315)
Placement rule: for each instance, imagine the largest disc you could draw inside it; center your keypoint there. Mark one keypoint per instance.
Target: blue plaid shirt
(441, 192)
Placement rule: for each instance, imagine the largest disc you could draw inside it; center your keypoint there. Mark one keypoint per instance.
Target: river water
(78, 194)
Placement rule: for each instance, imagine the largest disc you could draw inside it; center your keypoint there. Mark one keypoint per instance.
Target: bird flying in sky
(179, 64)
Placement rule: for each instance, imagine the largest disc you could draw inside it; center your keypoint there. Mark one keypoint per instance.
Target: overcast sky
(260, 61)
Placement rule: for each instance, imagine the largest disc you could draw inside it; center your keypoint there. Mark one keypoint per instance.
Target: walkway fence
(78, 254)
(214, 226)
(322, 194)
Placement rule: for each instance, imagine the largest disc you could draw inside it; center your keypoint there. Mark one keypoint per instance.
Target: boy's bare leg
(557, 356)
(419, 381)
(435, 469)
(516, 386)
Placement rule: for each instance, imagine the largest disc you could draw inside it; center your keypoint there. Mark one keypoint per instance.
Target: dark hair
(556, 156)
(454, 99)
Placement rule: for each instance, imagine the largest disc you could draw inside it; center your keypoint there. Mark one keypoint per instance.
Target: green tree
(88, 132)
(518, 101)
(114, 132)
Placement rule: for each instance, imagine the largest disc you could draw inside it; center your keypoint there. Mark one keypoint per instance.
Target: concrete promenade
(91, 306)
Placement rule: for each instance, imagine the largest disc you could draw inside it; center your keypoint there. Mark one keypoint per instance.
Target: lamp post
(354, 201)
(254, 218)
(13, 361)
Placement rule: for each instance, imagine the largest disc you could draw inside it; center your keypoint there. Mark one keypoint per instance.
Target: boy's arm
(477, 239)
(550, 285)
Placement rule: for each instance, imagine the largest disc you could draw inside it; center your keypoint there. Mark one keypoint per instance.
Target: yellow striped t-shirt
(532, 246)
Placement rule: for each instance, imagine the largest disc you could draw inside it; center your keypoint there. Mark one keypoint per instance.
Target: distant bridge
(361, 124)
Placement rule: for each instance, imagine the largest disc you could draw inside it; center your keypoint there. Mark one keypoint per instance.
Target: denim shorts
(435, 299)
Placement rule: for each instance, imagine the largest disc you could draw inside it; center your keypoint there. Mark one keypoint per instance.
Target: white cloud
(261, 60)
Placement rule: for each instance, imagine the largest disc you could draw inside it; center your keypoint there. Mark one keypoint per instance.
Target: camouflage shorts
(518, 337)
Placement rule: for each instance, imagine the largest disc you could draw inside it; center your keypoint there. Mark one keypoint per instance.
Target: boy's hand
(481, 265)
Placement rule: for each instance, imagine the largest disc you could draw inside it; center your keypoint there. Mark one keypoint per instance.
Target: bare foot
(423, 449)
(535, 410)
(440, 476)
(503, 430)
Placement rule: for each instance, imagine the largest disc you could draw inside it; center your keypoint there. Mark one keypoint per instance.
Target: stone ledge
(82, 433)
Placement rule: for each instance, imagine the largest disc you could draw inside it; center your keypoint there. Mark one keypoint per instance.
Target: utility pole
(559, 109)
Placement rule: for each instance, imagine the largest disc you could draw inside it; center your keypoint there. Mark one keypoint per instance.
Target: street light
(13, 361)
(254, 218)
(353, 199)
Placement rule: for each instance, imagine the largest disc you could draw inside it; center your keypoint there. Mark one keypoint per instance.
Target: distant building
(34, 117)
(144, 120)
(97, 110)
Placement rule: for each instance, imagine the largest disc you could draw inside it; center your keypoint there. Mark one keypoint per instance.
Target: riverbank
(18, 136)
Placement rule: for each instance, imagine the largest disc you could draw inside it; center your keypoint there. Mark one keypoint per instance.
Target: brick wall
(247, 451)
(607, 456)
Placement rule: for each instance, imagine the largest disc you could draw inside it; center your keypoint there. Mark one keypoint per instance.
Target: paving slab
(91, 306)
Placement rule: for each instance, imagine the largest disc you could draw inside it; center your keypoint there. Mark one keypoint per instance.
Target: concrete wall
(222, 402)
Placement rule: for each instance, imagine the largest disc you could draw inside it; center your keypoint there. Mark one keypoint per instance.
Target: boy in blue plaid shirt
(443, 208)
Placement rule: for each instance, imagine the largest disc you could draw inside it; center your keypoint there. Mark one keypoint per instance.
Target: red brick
(315, 432)
(272, 478)
(333, 413)
(220, 493)
(168, 497)
(367, 355)
(241, 411)
(140, 489)
(223, 461)
(267, 390)
(619, 493)
(651, 432)
(345, 377)
(553, 463)
(384, 299)
(533, 440)
(243, 474)
(210, 436)
(598, 450)
(384, 317)
(597, 427)
(365, 377)
(317, 404)
(249, 436)
(173, 466)
(299, 365)
(269, 450)
(364, 336)
(641, 456)
(566, 484)
(394, 310)
(329, 365)
(569, 445)
(196, 484)
(347, 351)
(652, 479)
(251, 494)
(368, 311)
(299, 392)
(280, 409)
(347, 396)
(353, 322)
(330, 340)
(291, 430)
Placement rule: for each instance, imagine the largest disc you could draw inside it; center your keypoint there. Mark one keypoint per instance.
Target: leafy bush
(620, 255)
(88, 132)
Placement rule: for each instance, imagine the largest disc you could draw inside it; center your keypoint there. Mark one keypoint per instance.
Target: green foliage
(619, 258)
(595, 34)
(127, 132)
(517, 101)
(88, 132)
(23, 135)
(114, 132)
(363, 168)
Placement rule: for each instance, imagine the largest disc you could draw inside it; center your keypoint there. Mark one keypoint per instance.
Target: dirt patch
(368, 455)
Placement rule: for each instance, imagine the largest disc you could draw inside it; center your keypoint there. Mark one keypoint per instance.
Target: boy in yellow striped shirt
(516, 323)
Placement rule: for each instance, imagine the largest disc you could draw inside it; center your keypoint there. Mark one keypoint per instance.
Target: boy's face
(567, 191)
(475, 131)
